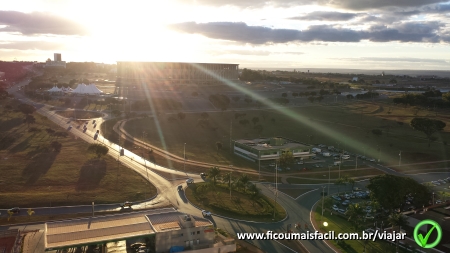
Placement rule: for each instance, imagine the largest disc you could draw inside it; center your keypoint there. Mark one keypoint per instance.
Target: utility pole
(184, 157)
(329, 169)
(231, 132)
(400, 158)
(276, 188)
(356, 166)
(323, 188)
(259, 164)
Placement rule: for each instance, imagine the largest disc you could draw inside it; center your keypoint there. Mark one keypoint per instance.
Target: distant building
(57, 57)
(266, 149)
(56, 63)
(355, 79)
(169, 228)
(131, 73)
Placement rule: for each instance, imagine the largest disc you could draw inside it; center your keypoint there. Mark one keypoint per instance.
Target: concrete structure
(168, 227)
(57, 57)
(266, 149)
(131, 73)
(56, 63)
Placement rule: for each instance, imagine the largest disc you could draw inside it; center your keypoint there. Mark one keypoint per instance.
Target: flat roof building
(169, 227)
(263, 149)
(132, 73)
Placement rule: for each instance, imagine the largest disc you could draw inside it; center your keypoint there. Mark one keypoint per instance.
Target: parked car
(203, 174)
(342, 211)
(70, 127)
(189, 181)
(180, 188)
(336, 198)
(206, 213)
(126, 204)
(370, 217)
(14, 210)
(335, 208)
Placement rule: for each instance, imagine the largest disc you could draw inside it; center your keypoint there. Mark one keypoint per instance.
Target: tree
(398, 220)
(181, 115)
(98, 149)
(29, 119)
(56, 146)
(340, 181)
(286, 159)
(253, 189)
(244, 179)
(355, 214)
(214, 173)
(427, 126)
(284, 94)
(255, 120)
(26, 109)
(351, 182)
(320, 98)
(377, 132)
(446, 96)
(311, 99)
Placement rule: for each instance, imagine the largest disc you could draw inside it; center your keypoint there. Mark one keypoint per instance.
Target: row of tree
(428, 100)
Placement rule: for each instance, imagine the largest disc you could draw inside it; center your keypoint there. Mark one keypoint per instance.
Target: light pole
(400, 158)
(276, 188)
(259, 165)
(323, 189)
(184, 158)
(379, 153)
(356, 166)
(329, 169)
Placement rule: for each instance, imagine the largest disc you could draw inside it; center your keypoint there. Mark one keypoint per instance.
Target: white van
(345, 157)
(326, 154)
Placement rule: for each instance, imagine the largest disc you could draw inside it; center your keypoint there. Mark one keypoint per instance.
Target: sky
(355, 34)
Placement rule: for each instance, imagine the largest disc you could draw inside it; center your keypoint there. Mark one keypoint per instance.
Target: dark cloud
(30, 45)
(343, 4)
(241, 32)
(378, 4)
(39, 23)
(327, 16)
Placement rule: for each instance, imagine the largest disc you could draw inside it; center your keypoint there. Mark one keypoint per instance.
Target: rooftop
(272, 143)
(115, 227)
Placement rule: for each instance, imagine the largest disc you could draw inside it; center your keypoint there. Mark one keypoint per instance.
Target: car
(137, 245)
(93, 122)
(189, 181)
(287, 168)
(126, 204)
(206, 213)
(14, 210)
(372, 160)
(70, 127)
(439, 201)
(336, 198)
(345, 203)
(95, 125)
(203, 174)
(272, 165)
(180, 188)
(370, 217)
(342, 211)
(84, 130)
(335, 208)
(300, 162)
(98, 131)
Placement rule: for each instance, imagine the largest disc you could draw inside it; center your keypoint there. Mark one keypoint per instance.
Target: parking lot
(325, 156)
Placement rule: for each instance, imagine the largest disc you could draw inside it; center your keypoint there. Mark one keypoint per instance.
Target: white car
(335, 208)
(206, 213)
(189, 181)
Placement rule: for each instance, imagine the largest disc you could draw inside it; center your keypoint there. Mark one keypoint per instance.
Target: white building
(56, 63)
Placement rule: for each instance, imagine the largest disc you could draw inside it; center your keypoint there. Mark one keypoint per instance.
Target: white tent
(90, 89)
(55, 89)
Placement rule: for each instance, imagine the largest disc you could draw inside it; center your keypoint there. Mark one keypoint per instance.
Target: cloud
(241, 32)
(327, 16)
(39, 23)
(251, 52)
(30, 45)
(391, 59)
(342, 4)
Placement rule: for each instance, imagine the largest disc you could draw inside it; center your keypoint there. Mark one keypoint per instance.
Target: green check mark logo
(423, 241)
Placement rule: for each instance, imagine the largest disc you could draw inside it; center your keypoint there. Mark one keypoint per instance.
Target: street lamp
(323, 189)
(328, 191)
(400, 158)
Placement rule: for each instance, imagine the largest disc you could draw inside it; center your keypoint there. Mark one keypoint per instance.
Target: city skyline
(274, 34)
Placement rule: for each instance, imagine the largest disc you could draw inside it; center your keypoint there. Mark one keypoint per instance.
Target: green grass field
(240, 206)
(33, 174)
(348, 126)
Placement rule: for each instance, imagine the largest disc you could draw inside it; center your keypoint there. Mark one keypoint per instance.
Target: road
(298, 210)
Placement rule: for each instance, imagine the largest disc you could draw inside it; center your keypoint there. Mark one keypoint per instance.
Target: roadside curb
(223, 217)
